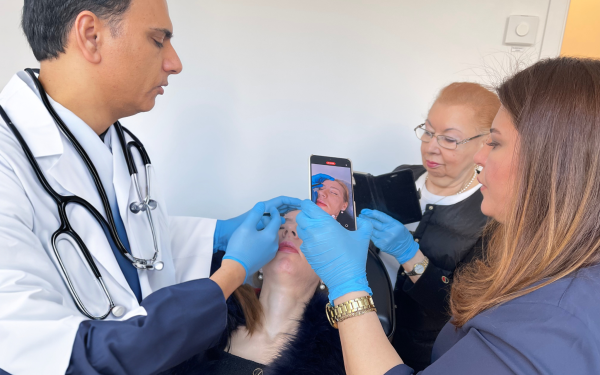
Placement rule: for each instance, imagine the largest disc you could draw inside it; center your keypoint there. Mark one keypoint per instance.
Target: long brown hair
(247, 299)
(553, 228)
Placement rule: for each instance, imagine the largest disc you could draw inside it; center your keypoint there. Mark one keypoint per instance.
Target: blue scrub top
(553, 330)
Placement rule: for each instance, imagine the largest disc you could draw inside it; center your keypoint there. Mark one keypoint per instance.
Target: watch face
(419, 269)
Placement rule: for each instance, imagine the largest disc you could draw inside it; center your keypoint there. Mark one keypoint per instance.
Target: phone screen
(331, 188)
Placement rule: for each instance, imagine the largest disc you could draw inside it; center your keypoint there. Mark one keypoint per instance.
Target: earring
(260, 274)
(341, 212)
(322, 285)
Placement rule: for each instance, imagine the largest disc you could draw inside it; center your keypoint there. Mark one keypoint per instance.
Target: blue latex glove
(337, 255)
(390, 236)
(252, 247)
(225, 228)
(317, 182)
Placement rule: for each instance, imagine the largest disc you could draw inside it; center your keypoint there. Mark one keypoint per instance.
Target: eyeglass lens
(425, 136)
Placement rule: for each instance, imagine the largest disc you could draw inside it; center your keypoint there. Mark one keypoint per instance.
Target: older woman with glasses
(425, 255)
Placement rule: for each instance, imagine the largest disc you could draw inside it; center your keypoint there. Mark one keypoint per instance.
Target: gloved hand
(337, 255)
(252, 247)
(225, 228)
(317, 182)
(390, 236)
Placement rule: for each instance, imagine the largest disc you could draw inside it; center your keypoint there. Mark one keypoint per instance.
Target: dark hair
(47, 23)
(552, 229)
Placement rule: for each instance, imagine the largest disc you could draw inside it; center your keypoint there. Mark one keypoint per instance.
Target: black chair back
(383, 292)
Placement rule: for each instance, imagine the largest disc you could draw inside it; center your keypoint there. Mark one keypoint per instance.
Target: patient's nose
(289, 234)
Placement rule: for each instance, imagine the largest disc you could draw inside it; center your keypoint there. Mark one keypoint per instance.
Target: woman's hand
(390, 236)
(337, 255)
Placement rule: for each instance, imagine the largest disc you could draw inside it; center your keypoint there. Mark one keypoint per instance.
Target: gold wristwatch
(354, 307)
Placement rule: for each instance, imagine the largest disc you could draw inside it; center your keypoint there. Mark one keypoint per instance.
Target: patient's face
(331, 198)
(290, 265)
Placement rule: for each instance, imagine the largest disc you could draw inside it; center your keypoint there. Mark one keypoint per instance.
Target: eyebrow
(445, 130)
(495, 131)
(168, 33)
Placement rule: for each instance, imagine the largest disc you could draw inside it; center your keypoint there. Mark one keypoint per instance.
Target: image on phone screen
(331, 188)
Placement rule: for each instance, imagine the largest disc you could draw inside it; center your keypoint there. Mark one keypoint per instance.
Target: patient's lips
(322, 204)
(288, 247)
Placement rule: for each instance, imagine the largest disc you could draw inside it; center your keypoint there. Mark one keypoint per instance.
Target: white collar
(23, 105)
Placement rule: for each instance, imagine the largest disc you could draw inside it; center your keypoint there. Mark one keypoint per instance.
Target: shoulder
(417, 170)
(556, 322)
(576, 294)
(580, 297)
(470, 207)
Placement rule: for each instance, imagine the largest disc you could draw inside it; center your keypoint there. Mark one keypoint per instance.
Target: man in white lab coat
(102, 60)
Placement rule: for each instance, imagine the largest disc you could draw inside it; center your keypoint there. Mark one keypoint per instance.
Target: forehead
(443, 117)
(291, 216)
(332, 184)
(502, 123)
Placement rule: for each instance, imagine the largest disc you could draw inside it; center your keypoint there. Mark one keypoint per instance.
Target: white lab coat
(38, 318)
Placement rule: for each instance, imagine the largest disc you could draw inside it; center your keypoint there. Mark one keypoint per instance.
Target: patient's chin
(287, 265)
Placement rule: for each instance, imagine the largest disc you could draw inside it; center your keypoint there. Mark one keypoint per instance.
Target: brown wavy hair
(553, 228)
(247, 298)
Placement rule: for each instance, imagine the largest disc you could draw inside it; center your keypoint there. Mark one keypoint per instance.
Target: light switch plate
(521, 30)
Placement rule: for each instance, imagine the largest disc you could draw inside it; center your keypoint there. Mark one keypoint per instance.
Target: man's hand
(251, 247)
(225, 228)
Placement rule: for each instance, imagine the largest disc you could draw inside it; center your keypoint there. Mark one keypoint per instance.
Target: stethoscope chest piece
(118, 311)
(142, 264)
(143, 206)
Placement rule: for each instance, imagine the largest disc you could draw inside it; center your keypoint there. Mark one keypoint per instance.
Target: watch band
(354, 307)
(418, 269)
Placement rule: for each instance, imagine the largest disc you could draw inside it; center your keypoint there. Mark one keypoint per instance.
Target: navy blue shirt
(553, 330)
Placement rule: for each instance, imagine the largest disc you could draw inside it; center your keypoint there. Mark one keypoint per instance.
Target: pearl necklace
(461, 190)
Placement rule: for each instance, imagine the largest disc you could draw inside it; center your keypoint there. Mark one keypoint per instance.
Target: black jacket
(449, 236)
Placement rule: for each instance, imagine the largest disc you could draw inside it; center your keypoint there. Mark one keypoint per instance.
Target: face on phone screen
(332, 191)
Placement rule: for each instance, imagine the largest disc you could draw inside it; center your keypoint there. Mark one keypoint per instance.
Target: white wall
(266, 83)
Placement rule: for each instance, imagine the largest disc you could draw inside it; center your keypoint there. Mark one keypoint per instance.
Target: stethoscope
(66, 232)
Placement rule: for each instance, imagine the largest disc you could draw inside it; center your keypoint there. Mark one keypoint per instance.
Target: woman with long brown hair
(530, 305)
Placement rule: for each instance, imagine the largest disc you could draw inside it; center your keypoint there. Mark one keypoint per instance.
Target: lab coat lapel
(71, 173)
(121, 178)
(61, 164)
(30, 117)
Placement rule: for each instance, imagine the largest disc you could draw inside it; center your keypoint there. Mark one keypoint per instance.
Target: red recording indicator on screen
(330, 163)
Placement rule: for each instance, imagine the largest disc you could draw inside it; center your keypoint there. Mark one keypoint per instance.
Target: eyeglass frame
(437, 137)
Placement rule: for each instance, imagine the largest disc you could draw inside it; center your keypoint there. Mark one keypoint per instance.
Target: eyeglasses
(444, 141)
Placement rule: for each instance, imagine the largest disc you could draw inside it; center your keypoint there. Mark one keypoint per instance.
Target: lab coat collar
(24, 106)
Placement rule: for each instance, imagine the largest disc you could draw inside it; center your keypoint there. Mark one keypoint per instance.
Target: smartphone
(331, 188)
